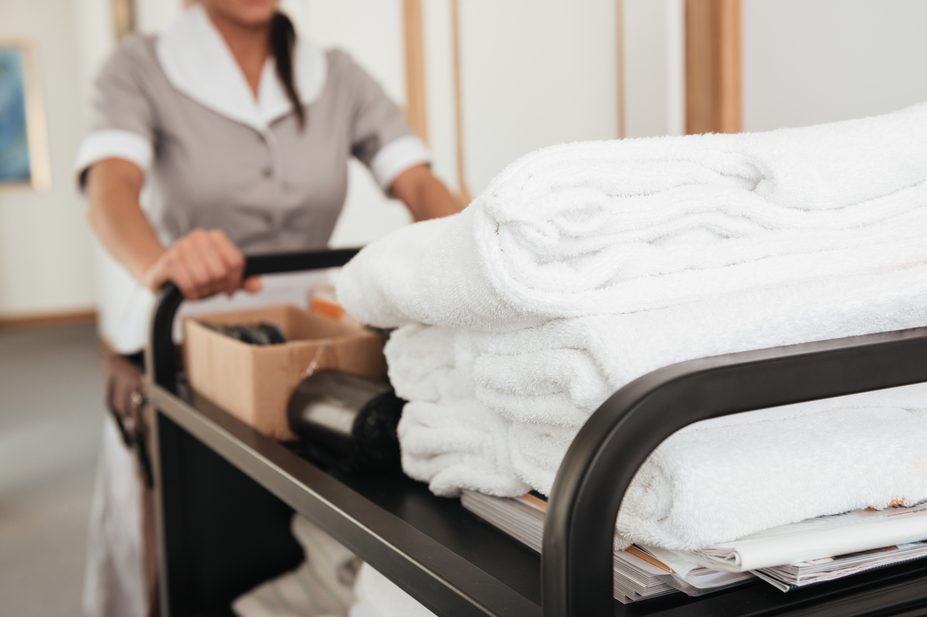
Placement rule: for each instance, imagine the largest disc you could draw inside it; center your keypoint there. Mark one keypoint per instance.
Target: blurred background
(483, 82)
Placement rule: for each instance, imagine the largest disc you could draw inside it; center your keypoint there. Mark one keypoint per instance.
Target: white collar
(199, 64)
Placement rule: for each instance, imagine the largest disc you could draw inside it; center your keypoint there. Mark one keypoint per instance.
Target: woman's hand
(202, 263)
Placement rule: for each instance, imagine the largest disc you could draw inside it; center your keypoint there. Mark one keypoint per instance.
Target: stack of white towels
(586, 265)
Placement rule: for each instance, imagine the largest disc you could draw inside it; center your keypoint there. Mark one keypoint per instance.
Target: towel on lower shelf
(716, 480)
(723, 479)
(630, 225)
(322, 586)
(377, 596)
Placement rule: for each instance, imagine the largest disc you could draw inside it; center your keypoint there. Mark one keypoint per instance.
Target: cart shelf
(225, 493)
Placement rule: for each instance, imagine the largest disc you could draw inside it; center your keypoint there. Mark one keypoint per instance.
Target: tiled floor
(50, 419)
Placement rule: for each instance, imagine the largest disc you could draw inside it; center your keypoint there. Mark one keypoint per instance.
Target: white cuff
(112, 143)
(396, 157)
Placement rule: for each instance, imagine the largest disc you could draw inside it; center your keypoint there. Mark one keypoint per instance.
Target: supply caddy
(225, 493)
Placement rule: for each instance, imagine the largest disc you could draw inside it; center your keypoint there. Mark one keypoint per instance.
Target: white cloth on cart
(723, 479)
(559, 372)
(784, 466)
(586, 265)
(458, 445)
(638, 224)
(713, 481)
(448, 439)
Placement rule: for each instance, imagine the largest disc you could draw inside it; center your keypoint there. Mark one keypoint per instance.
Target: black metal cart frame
(224, 492)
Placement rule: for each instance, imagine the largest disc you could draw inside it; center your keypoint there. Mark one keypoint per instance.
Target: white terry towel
(560, 372)
(322, 586)
(458, 445)
(429, 364)
(447, 439)
(725, 478)
(713, 481)
(625, 226)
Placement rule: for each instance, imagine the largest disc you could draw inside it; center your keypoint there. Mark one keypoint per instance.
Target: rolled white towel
(457, 445)
(631, 225)
(725, 478)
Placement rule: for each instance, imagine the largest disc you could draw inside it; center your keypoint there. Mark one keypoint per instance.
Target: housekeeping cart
(225, 493)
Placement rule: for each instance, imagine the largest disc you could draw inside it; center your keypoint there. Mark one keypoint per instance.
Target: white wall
(811, 61)
(46, 256)
(654, 66)
(534, 72)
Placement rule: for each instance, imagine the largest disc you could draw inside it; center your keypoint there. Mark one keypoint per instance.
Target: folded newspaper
(787, 557)
(817, 538)
(794, 576)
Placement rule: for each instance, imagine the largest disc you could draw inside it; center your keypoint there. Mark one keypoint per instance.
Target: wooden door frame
(713, 31)
(416, 94)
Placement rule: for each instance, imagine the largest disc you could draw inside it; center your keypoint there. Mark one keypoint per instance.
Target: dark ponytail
(282, 42)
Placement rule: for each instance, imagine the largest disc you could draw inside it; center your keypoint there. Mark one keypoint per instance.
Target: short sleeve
(121, 114)
(380, 136)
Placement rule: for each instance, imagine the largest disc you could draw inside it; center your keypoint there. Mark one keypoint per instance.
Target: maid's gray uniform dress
(178, 106)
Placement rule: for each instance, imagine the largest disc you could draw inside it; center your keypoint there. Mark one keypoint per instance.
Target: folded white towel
(725, 478)
(320, 587)
(428, 363)
(559, 372)
(625, 226)
(586, 265)
(723, 482)
(458, 445)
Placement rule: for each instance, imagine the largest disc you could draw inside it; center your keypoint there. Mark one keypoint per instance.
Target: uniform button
(267, 172)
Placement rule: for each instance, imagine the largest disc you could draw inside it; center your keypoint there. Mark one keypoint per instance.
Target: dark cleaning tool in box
(261, 333)
(346, 420)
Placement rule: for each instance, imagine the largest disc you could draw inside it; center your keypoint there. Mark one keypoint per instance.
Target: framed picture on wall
(23, 152)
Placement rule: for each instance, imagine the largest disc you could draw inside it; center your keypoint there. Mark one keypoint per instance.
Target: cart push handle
(161, 359)
(577, 557)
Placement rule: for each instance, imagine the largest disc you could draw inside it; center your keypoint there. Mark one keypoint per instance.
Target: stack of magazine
(639, 574)
(787, 557)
